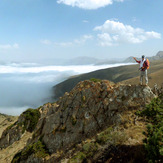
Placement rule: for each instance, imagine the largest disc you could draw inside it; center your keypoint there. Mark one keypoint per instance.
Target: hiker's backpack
(147, 63)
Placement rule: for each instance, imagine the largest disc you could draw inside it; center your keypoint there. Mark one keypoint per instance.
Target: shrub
(31, 118)
(111, 137)
(90, 148)
(12, 125)
(78, 158)
(95, 80)
(38, 149)
(153, 142)
(104, 136)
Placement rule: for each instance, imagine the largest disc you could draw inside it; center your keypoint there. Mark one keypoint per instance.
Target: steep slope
(116, 74)
(5, 121)
(16, 135)
(96, 115)
(7, 154)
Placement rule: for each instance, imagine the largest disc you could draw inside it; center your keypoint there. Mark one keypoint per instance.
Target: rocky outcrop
(83, 112)
(5, 121)
(26, 122)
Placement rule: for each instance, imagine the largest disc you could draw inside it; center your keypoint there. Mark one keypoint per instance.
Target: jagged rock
(89, 108)
(158, 91)
(26, 122)
(10, 135)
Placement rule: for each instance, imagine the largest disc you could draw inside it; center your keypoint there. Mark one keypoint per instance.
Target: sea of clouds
(29, 85)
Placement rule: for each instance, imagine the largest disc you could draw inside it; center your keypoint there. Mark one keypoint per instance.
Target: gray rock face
(87, 109)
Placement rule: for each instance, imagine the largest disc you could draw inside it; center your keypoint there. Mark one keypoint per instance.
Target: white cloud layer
(81, 40)
(9, 46)
(88, 4)
(114, 33)
(30, 86)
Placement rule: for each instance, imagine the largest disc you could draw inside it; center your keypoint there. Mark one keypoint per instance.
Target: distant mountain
(96, 61)
(82, 61)
(158, 56)
(129, 60)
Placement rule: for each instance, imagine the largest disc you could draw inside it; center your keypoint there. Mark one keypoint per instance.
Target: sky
(45, 30)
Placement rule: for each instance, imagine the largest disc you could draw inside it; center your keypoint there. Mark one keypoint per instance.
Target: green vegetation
(31, 117)
(38, 149)
(95, 80)
(12, 125)
(104, 136)
(154, 135)
(109, 137)
(90, 148)
(78, 158)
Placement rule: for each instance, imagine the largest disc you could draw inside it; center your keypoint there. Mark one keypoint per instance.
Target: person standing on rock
(144, 65)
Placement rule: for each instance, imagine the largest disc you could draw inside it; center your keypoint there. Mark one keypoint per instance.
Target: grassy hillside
(116, 74)
(156, 77)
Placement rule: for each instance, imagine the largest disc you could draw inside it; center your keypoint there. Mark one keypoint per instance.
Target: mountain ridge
(91, 110)
(158, 56)
(115, 74)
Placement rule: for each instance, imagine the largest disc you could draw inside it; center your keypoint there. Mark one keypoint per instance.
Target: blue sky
(38, 30)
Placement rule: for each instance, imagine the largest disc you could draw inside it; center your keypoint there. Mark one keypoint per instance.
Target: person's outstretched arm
(136, 60)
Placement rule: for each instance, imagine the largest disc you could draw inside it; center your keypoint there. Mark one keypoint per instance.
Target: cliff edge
(95, 117)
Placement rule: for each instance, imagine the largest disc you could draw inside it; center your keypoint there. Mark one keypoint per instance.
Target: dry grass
(7, 154)
(156, 77)
(6, 121)
(133, 127)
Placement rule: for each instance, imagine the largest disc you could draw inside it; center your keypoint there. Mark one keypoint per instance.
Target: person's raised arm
(136, 60)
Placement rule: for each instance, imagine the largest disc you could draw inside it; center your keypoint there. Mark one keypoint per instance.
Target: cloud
(106, 39)
(88, 4)
(23, 87)
(81, 40)
(9, 46)
(63, 44)
(46, 42)
(115, 32)
(85, 21)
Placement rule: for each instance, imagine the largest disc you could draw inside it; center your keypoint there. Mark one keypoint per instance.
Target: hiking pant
(143, 74)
